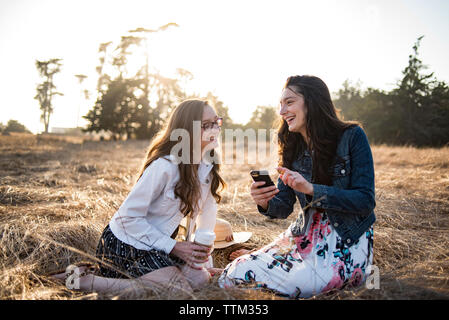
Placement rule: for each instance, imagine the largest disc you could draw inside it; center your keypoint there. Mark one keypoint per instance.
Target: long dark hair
(324, 128)
(188, 187)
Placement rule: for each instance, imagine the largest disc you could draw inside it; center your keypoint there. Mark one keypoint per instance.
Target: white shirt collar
(204, 169)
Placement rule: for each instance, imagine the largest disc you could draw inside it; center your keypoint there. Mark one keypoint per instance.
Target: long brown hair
(188, 186)
(324, 128)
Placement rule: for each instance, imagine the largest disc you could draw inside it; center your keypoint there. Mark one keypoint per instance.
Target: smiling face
(293, 110)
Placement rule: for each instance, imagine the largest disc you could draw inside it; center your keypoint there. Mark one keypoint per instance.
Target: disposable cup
(204, 238)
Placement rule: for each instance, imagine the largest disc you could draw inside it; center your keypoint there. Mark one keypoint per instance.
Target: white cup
(204, 238)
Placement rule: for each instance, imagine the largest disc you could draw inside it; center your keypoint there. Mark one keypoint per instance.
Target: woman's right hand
(191, 253)
(261, 196)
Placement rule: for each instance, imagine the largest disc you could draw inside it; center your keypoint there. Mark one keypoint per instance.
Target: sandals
(90, 269)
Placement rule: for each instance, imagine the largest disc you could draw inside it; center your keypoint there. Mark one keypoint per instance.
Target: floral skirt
(121, 260)
(305, 265)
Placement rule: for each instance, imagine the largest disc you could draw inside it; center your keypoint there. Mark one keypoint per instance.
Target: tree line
(415, 112)
(134, 103)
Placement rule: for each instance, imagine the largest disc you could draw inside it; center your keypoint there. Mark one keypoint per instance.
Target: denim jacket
(349, 202)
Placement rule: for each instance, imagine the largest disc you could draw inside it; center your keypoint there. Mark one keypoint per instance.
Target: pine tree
(46, 90)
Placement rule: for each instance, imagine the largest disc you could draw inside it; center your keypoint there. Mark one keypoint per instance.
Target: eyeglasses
(215, 124)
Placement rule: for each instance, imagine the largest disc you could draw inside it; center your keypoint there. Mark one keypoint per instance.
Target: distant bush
(13, 126)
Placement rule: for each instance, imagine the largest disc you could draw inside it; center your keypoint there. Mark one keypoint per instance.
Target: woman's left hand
(295, 180)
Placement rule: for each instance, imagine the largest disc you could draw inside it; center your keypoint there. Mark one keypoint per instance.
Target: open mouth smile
(289, 119)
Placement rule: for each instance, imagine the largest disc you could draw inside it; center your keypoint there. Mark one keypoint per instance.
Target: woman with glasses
(140, 241)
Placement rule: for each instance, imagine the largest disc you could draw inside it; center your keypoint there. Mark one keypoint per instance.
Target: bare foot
(197, 278)
(237, 253)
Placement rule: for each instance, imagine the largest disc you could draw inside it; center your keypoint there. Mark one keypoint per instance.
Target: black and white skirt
(122, 260)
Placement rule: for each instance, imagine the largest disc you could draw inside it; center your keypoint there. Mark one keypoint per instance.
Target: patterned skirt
(122, 260)
(305, 265)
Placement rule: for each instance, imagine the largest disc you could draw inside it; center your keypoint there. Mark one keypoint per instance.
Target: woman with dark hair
(326, 164)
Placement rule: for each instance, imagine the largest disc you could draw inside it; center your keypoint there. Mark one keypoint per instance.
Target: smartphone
(262, 175)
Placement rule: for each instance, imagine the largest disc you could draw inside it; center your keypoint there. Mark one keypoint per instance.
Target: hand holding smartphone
(262, 192)
(262, 175)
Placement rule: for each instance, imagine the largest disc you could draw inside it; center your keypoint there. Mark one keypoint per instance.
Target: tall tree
(84, 94)
(410, 95)
(103, 77)
(143, 35)
(164, 86)
(117, 99)
(125, 100)
(416, 112)
(47, 89)
(93, 116)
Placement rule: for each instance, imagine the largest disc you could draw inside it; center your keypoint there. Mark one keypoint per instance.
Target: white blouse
(151, 213)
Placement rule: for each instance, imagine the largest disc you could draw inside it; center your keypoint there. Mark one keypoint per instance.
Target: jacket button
(343, 171)
(348, 240)
(336, 224)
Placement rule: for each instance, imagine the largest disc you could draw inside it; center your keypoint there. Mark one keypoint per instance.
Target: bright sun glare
(241, 51)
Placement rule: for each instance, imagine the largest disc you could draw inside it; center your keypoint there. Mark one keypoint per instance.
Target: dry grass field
(56, 196)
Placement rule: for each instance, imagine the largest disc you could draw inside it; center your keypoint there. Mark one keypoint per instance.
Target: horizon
(244, 63)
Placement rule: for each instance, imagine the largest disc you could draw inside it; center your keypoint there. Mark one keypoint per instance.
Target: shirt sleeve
(360, 197)
(281, 206)
(132, 213)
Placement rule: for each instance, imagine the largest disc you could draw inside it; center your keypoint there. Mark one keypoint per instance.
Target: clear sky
(242, 51)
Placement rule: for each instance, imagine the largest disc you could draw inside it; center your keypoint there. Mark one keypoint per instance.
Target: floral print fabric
(305, 265)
